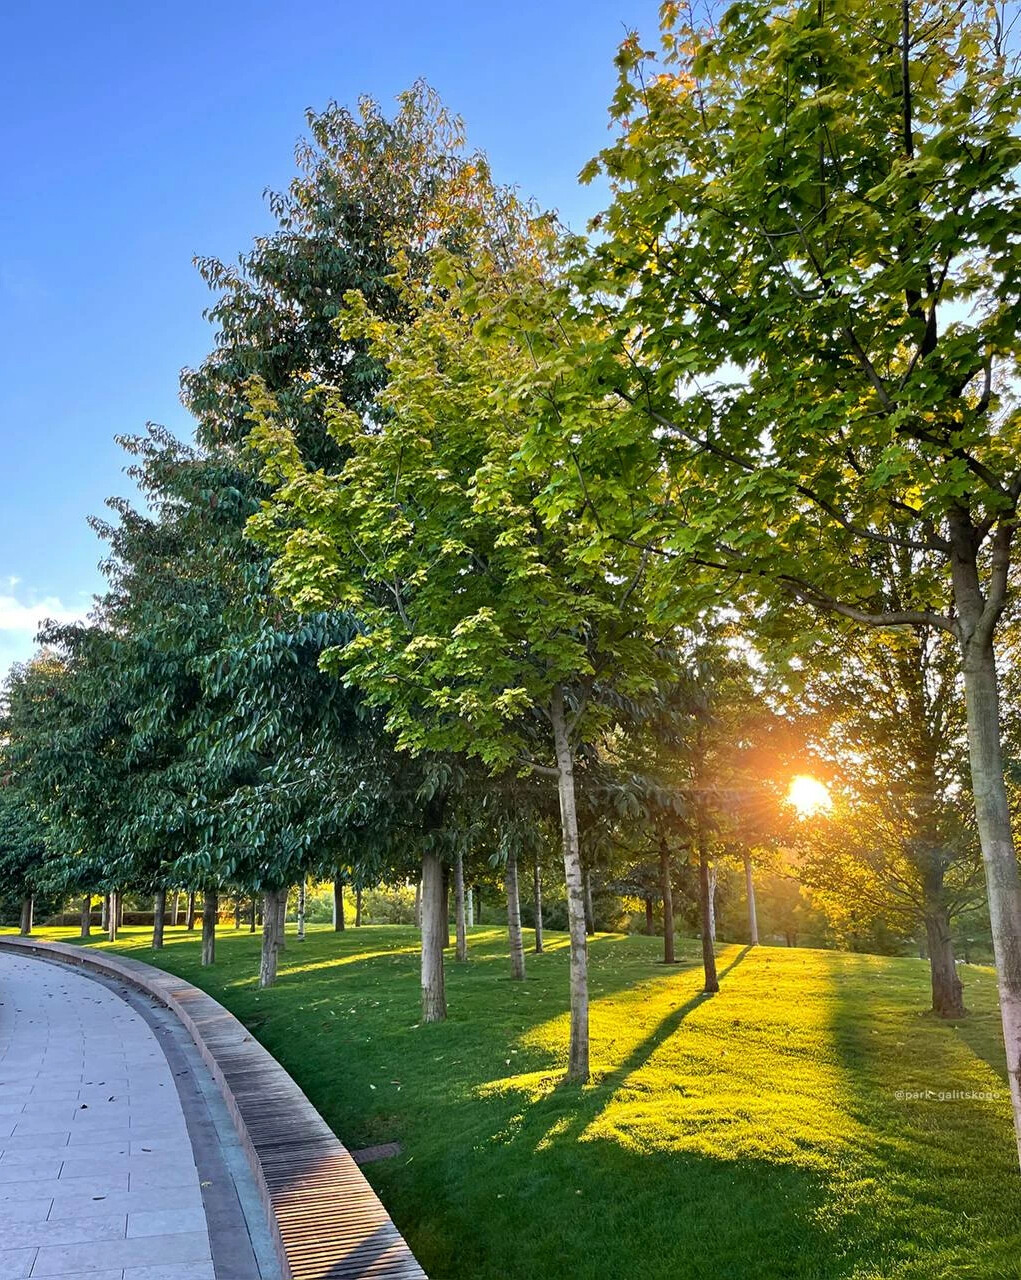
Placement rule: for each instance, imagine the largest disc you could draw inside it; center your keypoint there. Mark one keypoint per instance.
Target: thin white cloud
(24, 617)
(21, 618)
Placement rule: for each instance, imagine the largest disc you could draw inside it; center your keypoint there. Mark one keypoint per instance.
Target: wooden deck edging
(327, 1221)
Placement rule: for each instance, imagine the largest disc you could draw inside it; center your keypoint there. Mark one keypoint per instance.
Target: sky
(137, 136)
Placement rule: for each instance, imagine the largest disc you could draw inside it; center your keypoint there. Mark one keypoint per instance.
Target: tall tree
(811, 244)
(484, 614)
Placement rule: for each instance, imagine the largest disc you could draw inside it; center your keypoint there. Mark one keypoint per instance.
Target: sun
(808, 796)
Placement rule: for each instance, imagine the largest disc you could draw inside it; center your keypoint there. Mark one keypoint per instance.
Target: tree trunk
(517, 942)
(358, 908)
(302, 895)
(120, 911)
(177, 908)
(270, 937)
(210, 907)
(251, 916)
(434, 927)
(189, 919)
(578, 1053)
(104, 913)
(666, 890)
(237, 912)
(26, 915)
(590, 918)
(459, 921)
(753, 918)
(537, 904)
(712, 982)
(998, 855)
(339, 923)
(977, 619)
(947, 992)
(418, 903)
(471, 907)
(285, 893)
(112, 916)
(649, 923)
(87, 915)
(446, 907)
(712, 900)
(159, 918)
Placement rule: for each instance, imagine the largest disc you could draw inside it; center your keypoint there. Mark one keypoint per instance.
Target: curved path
(118, 1160)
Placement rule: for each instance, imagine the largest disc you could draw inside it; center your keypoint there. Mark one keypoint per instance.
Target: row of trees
(490, 529)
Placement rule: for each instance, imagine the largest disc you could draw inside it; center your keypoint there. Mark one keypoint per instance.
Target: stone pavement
(98, 1174)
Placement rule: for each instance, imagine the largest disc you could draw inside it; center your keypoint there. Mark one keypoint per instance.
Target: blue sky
(135, 136)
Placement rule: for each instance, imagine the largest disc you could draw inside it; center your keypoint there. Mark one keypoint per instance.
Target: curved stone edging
(327, 1222)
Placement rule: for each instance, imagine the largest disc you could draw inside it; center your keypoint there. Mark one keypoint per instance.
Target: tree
(810, 248)
(885, 716)
(483, 613)
(22, 847)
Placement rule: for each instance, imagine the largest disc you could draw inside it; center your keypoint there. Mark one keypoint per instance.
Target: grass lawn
(754, 1135)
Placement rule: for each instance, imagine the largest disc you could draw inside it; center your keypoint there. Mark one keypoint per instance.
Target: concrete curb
(327, 1222)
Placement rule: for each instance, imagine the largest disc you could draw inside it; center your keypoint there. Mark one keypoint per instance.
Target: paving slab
(100, 1173)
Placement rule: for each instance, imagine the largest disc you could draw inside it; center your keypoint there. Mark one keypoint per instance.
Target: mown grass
(756, 1135)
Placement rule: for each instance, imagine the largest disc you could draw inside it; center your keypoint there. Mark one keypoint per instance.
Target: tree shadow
(935, 1151)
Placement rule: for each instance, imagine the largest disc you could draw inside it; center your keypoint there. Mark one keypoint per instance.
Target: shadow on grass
(936, 1162)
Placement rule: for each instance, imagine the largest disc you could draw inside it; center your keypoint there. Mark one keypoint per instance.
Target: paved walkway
(103, 1116)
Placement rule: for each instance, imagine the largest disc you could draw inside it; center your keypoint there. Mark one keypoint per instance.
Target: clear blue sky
(135, 136)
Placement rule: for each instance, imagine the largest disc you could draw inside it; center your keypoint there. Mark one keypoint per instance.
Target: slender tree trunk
(302, 895)
(339, 923)
(104, 913)
(537, 904)
(712, 982)
(176, 908)
(434, 927)
(189, 919)
(270, 938)
(998, 855)
(460, 928)
(159, 918)
(112, 915)
(285, 893)
(517, 942)
(977, 617)
(713, 875)
(87, 915)
(237, 912)
(666, 890)
(471, 907)
(753, 918)
(649, 922)
(27, 906)
(446, 907)
(590, 918)
(578, 1053)
(418, 903)
(251, 915)
(358, 908)
(210, 907)
(120, 911)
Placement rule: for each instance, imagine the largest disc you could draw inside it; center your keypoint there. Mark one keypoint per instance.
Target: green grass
(751, 1136)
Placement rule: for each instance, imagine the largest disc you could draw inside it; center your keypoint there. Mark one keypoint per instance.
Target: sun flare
(808, 796)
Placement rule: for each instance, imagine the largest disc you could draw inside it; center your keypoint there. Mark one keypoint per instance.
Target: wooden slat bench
(327, 1221)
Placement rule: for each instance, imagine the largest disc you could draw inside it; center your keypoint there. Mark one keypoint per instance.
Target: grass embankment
(754, 1135)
